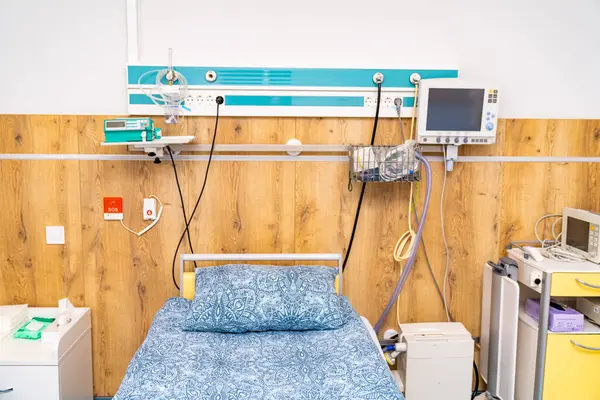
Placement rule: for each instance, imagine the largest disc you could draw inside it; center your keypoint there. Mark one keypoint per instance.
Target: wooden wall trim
(271, 207)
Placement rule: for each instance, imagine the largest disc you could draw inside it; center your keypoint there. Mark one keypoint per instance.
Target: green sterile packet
(33, 329)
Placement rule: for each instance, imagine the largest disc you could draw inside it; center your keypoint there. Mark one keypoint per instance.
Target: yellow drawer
(575, 284)
(572, 370)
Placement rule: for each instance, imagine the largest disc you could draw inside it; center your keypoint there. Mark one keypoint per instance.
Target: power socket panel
(195, 101)
(386, 101)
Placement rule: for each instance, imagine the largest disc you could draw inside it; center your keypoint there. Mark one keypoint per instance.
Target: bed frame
(188, 279)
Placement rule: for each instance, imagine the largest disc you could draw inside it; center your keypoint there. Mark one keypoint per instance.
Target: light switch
(55, 235)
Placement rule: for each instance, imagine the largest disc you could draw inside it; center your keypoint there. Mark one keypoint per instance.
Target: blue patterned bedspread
(310, 365)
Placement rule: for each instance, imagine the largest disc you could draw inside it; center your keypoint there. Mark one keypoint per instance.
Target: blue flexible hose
(410, 262)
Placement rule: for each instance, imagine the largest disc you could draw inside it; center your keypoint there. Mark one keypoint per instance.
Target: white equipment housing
(590, 307)
(454, 111)
(438, 362)
(580, 233)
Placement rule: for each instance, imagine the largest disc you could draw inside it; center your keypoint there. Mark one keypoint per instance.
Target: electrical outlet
(535, 279)
(388, 102)
(201, 100)
(190, 102)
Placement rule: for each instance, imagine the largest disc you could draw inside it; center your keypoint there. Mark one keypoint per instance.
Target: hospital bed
(344, 363)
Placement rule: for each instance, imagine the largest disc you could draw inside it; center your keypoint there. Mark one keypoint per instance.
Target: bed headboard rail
(190, 280)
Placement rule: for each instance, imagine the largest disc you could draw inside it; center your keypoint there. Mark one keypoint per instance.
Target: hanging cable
(364, 185)
(181, 200)
(406, 243)
(187, 222)
(446, 249)
(430, 268)
(147, 228)
(552, 249)
(476, 389)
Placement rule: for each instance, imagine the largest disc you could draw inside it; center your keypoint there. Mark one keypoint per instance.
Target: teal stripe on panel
(408, 102)
(295, 101)
(141, 99)
(324, 77)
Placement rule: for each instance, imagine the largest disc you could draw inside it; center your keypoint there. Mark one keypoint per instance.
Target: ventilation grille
(255, 77)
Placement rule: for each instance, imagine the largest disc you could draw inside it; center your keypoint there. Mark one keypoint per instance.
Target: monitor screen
(115, 124)
(455, 110)
(578, 232)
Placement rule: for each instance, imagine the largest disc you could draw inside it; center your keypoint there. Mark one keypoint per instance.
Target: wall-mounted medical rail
(271, 148)
(337, 257)
(284, 158)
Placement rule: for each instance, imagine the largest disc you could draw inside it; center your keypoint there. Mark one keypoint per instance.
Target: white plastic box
(56, 367)
(438, 362)
(11, 319)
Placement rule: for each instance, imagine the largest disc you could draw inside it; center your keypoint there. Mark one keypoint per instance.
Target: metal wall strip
(282, 158)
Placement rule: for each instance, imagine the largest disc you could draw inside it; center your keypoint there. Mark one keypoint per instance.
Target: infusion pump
(456, 112)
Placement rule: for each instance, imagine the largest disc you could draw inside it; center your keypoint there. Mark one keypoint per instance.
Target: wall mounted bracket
(451, 156)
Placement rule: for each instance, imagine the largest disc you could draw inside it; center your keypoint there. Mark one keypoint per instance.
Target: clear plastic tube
(410, 263)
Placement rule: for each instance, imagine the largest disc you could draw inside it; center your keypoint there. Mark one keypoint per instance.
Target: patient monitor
(456, 112)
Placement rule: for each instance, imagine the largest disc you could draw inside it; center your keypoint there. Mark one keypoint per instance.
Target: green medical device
(130, 130)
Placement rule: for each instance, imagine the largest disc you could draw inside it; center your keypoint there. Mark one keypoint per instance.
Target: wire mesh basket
(384, 163)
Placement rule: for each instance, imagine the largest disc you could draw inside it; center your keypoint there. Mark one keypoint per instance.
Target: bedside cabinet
(556, 365)
(57, 366)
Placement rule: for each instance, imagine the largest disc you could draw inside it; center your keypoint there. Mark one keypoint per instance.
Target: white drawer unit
(56, 367)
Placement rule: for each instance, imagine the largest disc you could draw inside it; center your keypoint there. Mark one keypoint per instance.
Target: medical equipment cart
(556, 365)
(56, 367)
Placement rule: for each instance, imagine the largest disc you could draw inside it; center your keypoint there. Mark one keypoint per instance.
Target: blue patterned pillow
(243, 298)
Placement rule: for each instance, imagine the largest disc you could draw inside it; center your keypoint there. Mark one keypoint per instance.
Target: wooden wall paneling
(41, 193)
(247, 206)
(16, 281)
(472, 209)
(242, 130)
(265, 207)
(128, 277)
(525, 185)
(471, 217)
(91, 134)
(535, 189)
(322, 199)
(592, 139)
(14, 134)
(568, 138)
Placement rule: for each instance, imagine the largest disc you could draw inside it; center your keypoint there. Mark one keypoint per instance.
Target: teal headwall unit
(301, 77)
(289, 92)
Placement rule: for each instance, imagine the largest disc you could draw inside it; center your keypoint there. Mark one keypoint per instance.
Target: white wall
(69, 56)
